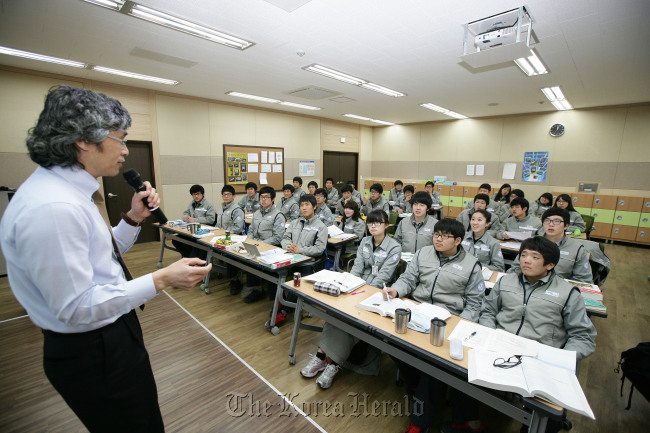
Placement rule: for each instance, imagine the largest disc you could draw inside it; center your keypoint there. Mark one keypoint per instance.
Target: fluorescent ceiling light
(382, 122)
(439, 109)
(531, 65)
(115, 5)
(41, 57)
(272, 101)
(557, 98)
(354, 116)
(134, 75)
(351, 79)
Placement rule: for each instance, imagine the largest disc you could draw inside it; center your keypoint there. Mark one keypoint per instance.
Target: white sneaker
(315, 366)
(326, 378)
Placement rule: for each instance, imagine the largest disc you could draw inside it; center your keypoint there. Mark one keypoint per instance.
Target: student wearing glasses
(200, 210)
(376, 201)
(416, 231)
(376, 262)
(435, 195)
(322, 209)
(480, 244)
(563, 201)
(574, 261)
(231, 218)
(289, 203)
(250, 203)
(445, 275)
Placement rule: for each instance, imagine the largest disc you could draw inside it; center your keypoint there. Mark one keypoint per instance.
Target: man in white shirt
(64, 271)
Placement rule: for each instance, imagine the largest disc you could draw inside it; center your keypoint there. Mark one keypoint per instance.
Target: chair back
(589, 222)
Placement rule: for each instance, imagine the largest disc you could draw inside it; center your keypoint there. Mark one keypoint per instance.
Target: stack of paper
(345, 281)
(588, 290)
(276, 255)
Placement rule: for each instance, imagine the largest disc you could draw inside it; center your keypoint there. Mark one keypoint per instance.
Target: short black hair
(313, 182)
(485, 213)
(566, 198)
(307, 198)
(330, 179)
(548, 249)
(289, 187)
(422, 197)
(377, 187)
(548, 196)
(377, 216)
(347, 188)
(251, 185)
(353, 183)
(485, 186)
(298, 179)
(518, 193)
(556, 211)
(321, 191)
(268, 190)
(197, 188)
(450, 226)
(228, 188)
(520, 201)
(398, 182)
(409, 188)
(429, 183)
(484, 197)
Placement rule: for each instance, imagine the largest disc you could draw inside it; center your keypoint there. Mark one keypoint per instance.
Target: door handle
(111, 195)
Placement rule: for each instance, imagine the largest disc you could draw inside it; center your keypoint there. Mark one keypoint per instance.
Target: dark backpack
(635, 364)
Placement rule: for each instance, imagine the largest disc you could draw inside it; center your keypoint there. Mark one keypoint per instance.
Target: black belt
(49, 333)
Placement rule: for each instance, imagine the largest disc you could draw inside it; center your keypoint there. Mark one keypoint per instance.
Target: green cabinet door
(626, 218)
(603, 215)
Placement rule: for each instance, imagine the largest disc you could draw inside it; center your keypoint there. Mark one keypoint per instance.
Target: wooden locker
(582, 200)
(604, 201)
(643, 235)
(601, 231)
(629, 204)
(624, 233)
(442, 189)
(452, 211)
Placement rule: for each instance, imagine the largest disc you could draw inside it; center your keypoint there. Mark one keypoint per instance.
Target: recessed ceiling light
(272, 101)
(134, 75)
(531, 65)
(355, 116)
(557, 98)
(41, 57)
(439, 109)
(351, 79)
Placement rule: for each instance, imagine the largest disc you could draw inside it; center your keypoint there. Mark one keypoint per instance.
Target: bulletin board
(243, 164)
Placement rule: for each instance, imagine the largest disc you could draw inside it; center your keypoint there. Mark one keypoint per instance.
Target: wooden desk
(413, 348)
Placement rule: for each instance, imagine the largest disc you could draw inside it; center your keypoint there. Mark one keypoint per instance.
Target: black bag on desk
(635, 364)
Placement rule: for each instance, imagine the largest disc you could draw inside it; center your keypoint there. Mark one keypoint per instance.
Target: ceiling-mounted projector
(493, 38)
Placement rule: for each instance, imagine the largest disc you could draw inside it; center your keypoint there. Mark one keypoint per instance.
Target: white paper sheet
(265, 159)
(278, 157)
(480, 170)
(263, 180)
(266, 168)
(277, 168)
(252, 157)
(253, 168)
(509, 169)
(271, 158)
(470, 169)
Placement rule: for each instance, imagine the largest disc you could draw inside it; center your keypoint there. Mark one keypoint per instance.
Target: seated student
(520, 221)
(376, 201)
(355, 193)
(435, 195)
(505, 208)
(447, 276)
(332, 193)
(250, 203)
(231, 218)
(574, 261)
(297, 184)
(200, 210)
(416, 231)
(376, 262)
(346, 192)
(502, 196)
(352, 223)
(538, 305)
(480, 244)
(492, 206)
(563, 201)
(322, 209)
(268, 227)
(289, 203)
(396, 192)
(480, 201)
(539, 206)
(404, 203)
(312, 187)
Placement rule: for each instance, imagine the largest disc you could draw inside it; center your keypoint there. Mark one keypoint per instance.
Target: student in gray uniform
(355, 193)
(404, 204)
(332, 193)
(231, 218)
(416, 231)
(447, 276)
(353, 224)
(322, 209)
(505, 209)
(250, 203)
(435, 195)
(376, 262)
(376, 201)
(480, 201)
(346, 192)
(492, 206)
(396, 192)
(268, 227)
(502, 196)
(541, 205)
(520, 221)
(563, 201)
(289, 203)
(574, 261)
(200, 210)
(480, 244)
(297, 184)
(312, 187)
(538, 305)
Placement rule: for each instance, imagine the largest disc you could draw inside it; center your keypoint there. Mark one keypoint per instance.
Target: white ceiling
(597, 50)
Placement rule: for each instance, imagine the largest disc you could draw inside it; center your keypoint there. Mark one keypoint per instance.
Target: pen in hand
(386, 293)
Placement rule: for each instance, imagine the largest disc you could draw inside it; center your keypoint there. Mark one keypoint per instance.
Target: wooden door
(118, 193)
(340, 166)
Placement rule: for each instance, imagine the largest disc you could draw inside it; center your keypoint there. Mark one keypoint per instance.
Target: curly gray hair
(70, 115)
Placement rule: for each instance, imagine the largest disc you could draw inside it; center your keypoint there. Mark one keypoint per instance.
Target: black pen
(470, 336)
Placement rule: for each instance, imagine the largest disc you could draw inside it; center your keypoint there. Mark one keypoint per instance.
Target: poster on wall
(535, 167)
(237, 167)
(307, 168)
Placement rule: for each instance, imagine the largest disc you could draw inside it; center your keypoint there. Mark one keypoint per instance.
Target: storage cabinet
(601, 231)
(624, 233)
(582, 202)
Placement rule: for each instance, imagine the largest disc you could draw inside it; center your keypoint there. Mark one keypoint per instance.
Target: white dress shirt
(60, 258)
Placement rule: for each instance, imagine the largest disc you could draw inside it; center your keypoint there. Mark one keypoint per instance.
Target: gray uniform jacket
(394, 195)
(203, 212)
(250, 205)
(492, 206)
(289, 208)
(455, 283)
(406, 206)
(382, 204)
(332, 196)
(527, 224)
(486, 249)
(231, 218)
(341, 203)
(310, 236)
(412, 236)
(298, 193)
(550, 311)
(435, 198)
(385, 257)
(465, 217)
(353, 227)
(573, 264)
(537, 209)
(358, 195)
(325, 215)
(576, 222)
(267, 226)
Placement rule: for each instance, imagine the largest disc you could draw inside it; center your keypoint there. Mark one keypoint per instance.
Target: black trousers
(105, 377)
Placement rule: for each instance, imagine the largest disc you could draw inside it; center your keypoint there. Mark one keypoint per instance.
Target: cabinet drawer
(627, 218)
(624, 233)
(630, 204)
(643, 235)
(582, 200)
(442, 189)
(470, 191)
(452, 211)
(601, 230)
(603, 215)
(455, 201)
(604, 202)
(644, 221)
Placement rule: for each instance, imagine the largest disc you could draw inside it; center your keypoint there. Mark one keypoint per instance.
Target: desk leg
(162, 249)
(538, 423)
(270, 325)
(297, 318)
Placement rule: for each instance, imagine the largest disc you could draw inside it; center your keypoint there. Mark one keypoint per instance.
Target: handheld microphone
(132, 177)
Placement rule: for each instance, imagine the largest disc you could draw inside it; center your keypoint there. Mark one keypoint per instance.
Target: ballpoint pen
(387, 296)
(470, 336)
